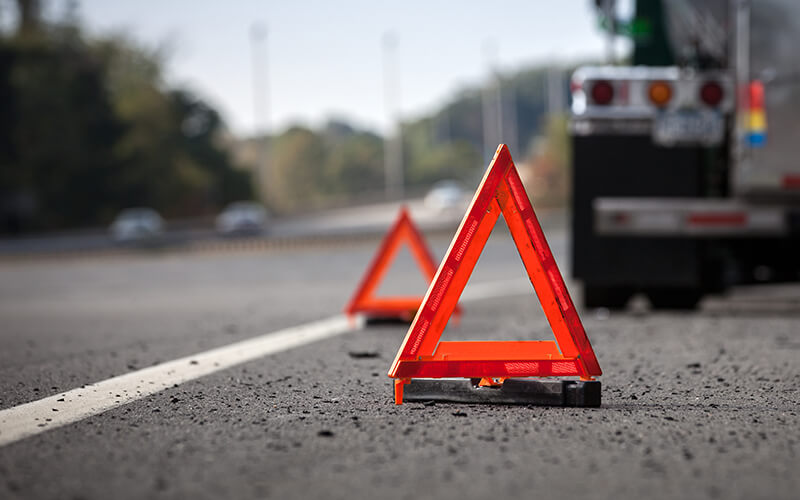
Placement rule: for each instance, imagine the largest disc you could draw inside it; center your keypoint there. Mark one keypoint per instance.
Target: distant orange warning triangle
(365, 302)
(422, 355)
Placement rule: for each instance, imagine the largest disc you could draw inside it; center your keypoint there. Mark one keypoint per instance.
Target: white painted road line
(32, 418)
(65, 408)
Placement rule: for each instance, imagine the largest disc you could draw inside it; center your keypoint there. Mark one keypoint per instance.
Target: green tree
(171, 135)
(353, 164)
(295, 179)
(89, 127)
(60, 129)
(456, 160)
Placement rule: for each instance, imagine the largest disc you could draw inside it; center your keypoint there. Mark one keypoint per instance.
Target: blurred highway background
(98, 120)
(179, 177)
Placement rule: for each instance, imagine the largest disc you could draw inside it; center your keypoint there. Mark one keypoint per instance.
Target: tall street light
(258, 49)
(491, 104)
(393, 137)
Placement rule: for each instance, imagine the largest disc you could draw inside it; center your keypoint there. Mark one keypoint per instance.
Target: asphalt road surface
(695, 405)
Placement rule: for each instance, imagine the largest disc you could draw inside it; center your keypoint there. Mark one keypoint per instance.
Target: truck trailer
(686, 162)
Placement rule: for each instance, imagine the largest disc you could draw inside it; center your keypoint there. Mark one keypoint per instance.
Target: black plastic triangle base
(576, 393)
(388, 320)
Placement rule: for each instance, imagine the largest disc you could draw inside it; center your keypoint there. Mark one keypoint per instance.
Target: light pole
(491, 104)
(258, 49)
(555, 90)
(609, 11)
(393, 137)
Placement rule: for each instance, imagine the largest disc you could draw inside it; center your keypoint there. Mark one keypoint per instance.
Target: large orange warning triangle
(422, 355)
(364, 301)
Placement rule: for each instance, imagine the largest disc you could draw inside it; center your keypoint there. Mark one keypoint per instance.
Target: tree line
(88, 127)
(307, 168)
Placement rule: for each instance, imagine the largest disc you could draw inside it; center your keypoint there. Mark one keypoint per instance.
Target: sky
(324, 58)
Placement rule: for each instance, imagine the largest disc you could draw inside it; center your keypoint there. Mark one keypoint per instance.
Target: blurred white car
(137, 225)
(445, 196)
(242, 217)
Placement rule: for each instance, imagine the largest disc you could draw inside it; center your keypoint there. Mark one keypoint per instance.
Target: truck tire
(610, 297)
(676, 299)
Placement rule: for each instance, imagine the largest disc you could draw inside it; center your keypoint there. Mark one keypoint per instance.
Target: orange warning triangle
(422, 355)
(364, 301)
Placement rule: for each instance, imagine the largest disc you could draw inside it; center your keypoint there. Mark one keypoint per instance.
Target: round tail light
(575, 85)
(602, 92)
(659, 93)
(711, 93)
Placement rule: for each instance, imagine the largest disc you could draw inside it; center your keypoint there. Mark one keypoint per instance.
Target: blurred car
(242, 218)
(140, 224)
(446, 195)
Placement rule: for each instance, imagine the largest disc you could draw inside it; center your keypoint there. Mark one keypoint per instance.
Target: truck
(686, 160)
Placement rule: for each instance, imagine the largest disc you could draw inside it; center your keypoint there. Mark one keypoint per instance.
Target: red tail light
(711, 93)
(602, 92)
(575, 85)
(756, 94)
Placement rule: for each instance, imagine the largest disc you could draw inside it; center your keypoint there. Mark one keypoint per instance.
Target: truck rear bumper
(689, 217)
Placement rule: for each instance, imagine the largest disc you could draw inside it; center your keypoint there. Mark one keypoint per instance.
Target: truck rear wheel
(680, 299)
(610, 297)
